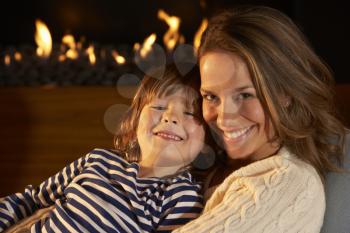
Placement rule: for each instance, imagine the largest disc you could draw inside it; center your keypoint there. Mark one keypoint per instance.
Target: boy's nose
(166, 120)
(170, 117)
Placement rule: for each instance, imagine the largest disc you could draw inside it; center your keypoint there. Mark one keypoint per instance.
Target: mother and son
(263, 102)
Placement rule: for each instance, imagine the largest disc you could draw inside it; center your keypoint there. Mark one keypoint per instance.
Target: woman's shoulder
(297, 169)
(281, 170)
(283, 162)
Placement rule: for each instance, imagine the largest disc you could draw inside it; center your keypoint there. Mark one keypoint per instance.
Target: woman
(268, 100)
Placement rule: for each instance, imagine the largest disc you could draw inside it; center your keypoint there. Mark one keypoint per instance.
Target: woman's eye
(159, 108)
(209, 97)
(245, 95)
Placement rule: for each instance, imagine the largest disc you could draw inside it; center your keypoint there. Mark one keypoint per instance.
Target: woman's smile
(237, 135)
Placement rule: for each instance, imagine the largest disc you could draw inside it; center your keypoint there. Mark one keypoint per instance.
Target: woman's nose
(227, 112)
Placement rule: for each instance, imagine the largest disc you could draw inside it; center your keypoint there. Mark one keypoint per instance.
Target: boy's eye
(190, 113)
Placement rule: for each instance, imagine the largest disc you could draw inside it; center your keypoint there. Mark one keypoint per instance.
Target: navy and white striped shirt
(101, 192)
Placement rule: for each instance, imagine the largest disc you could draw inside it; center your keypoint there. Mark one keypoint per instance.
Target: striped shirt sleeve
(20, 205)
(183, 205)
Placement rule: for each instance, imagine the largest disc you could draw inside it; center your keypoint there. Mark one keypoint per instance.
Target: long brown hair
(284, 67)
(125, 140)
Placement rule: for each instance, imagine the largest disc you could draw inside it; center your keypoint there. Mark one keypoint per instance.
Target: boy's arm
(180, 208)
(19, 205)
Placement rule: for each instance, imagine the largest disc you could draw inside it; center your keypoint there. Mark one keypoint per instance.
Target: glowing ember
(62, 57)
(7, 59)
(72, 52)
(91, 54)
(43, 39)
(172, 36)
(118, 58)
(136, 47)
(199, 33)
(18, 56)
(147, 45)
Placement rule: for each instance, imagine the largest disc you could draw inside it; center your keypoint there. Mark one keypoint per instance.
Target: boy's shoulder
(111, 154)
(185, 181)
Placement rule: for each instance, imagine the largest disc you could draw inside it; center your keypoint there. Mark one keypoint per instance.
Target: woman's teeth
(237, 133)
(169, 136)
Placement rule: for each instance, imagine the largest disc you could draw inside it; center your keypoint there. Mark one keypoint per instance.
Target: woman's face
(232, 109)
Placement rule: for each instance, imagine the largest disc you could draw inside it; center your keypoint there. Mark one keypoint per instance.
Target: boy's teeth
(237, 133)
(174, 137)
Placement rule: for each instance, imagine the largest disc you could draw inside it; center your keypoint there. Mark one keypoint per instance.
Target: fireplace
(55, 99)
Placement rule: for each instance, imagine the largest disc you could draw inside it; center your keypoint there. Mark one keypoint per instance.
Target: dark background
(325, 23)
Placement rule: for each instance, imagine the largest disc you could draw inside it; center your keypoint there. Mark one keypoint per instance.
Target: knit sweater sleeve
(273, 195)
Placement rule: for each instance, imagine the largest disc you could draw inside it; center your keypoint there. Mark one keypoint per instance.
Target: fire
(72, 52)
(91, 54)
(147, 45)
(199, 33)
(118, 58)
(43, 39)
(172, 36)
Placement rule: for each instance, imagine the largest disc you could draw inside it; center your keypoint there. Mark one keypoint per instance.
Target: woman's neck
(225, 168)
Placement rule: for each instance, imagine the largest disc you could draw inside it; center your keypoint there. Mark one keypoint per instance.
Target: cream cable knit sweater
(278, 194)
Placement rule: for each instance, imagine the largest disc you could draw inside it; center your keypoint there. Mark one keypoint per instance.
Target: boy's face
(168, 133)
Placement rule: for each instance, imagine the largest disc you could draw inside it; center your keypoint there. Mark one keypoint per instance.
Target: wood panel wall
(42, 130)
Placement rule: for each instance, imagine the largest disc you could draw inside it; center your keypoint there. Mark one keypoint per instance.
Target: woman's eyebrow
(203, 90)
(244, 87)
(236, 89)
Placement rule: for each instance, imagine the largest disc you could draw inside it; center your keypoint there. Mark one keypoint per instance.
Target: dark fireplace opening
(109, 35)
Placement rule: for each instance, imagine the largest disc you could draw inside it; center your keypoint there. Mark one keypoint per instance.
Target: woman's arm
(278, 200)
(19, 205)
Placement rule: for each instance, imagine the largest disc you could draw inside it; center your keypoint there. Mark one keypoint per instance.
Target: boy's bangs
(192, 98)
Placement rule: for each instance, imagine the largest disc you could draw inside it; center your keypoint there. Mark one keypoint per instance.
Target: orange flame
(72, 52)
(43, 39)
(91, 54)
(199, 33)
(172, 36)
(118, 58)
(147, 45)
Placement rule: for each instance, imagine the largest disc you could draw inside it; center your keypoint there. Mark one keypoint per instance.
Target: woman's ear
(285, 101)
